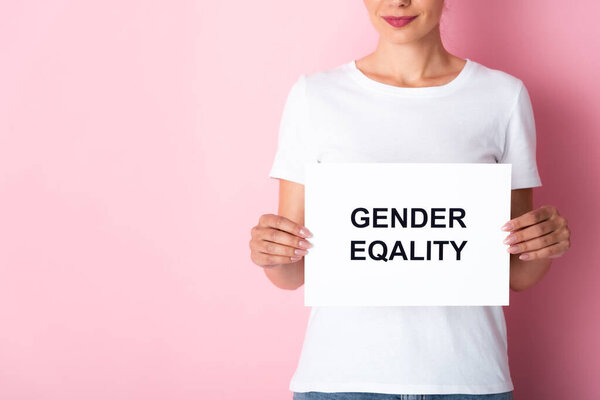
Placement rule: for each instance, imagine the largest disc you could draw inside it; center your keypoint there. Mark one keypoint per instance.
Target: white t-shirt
(484, 115)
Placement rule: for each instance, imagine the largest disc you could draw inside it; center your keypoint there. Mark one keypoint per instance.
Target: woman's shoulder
(494, 78)
(327, 76)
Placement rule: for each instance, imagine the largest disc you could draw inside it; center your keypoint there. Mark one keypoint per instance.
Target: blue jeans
(383, 396)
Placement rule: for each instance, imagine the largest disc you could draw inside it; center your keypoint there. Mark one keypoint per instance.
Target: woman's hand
(541, 233)
(277, 240)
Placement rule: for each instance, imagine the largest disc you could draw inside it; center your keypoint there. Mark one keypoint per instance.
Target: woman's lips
(399, 21)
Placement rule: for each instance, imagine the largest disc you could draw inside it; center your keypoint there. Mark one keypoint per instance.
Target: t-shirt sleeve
(520, 143)
(293, 146)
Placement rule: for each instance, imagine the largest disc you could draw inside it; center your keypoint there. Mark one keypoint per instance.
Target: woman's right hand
(277, 240)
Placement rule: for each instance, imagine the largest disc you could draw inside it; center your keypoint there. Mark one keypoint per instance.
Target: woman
(408, 101)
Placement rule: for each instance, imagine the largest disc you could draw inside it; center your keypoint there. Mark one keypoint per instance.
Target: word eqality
(390, 218)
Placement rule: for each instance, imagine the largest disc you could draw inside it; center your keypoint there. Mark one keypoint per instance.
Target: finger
(538, 242)
(281, 237)
(277, 249)
(284, 224)
(529, 218)
(530, 232)
(270, 260)
(553, 251)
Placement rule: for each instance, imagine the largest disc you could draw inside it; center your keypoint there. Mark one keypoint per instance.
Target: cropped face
(403, 21)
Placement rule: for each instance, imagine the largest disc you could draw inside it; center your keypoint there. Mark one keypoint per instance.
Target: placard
(396, 234)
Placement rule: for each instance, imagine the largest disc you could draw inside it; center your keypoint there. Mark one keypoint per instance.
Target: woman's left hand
(541, 233)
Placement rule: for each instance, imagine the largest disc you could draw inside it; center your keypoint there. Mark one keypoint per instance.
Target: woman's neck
(423, 62)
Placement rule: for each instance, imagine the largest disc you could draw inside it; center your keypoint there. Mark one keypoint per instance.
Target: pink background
(136, 139)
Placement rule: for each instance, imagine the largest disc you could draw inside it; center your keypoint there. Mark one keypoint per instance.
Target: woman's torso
(351, 118)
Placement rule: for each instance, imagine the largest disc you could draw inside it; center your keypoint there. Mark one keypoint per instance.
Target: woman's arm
(542, 234)
(291, 205)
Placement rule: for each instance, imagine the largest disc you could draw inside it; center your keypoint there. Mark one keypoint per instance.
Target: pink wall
(135, 143)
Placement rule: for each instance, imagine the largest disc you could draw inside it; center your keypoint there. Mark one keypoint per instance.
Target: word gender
(417, 218)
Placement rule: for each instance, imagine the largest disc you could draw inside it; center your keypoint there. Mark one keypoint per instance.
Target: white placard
(391, 234)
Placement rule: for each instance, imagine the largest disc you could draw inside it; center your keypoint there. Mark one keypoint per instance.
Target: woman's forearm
(287, 276)
(524, 274)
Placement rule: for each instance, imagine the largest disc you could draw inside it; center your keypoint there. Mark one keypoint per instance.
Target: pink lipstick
(399, 21)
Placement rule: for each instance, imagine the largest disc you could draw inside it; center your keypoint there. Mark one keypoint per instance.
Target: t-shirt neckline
(410, 91)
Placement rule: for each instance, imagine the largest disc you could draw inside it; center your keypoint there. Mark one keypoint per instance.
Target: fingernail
(300, 252)
(305, 232)
(510, 239)
(513, 249)
(304, 244)
(295, 258)
(507, 226)
(524, 256)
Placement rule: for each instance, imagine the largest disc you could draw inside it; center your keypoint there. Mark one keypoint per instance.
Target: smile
(399, 21)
